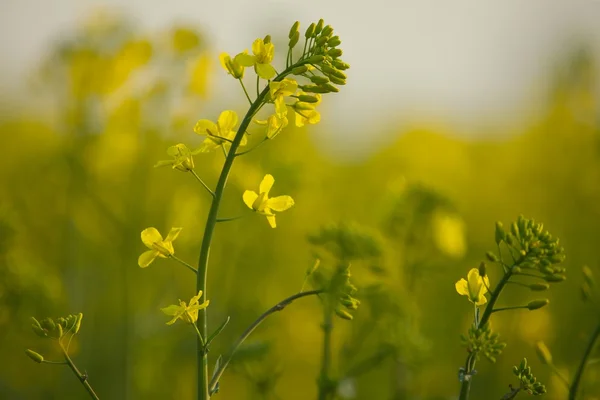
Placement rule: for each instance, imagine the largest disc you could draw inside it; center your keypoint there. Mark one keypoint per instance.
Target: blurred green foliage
(78, 188)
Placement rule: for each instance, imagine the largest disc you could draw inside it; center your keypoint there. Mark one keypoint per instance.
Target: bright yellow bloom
(261, 60)
(262, 204)
(286, 87)
(182, 158)
(158, 246)
(305, 112)
(276, 122)
(221, 133)
(187, 313)
(475, 287)
(231, 66)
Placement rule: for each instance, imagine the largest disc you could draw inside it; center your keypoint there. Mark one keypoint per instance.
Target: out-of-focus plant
(589, 294)
(529, 260)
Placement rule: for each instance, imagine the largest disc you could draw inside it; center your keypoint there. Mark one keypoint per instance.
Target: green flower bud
(307, 99)
(334, 41)
(321, 41)
(516, 270)
(536, 304)
(343, 314)
(514, 228)
(267, 39)
(314, 89)
(337, 80)
(555, 278)
(500, 233)
(62, 322)
(37, 328)
(38, 358)
(327, 31)
(310, 31)
(317, 59)
(59, 331)
(294, 29)
(338, 64)
(48, 324)
(335, 53)
(510, 240)
(482, 269)
(588, 275)
(491, 256)
(294, 40)
(299, 105)
(78, 323)
(538, 287)
(319, 79)
(543, 353)
(330, 87)
(319, 26)
(300, 70)
(523, 364)
(332, 71)
(558, 258)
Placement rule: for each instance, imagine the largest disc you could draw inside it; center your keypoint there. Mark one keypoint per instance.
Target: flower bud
(482, 269)
(37, 357)
(538, 287)
(300, 106)
(48, 324)
(267, 39)
(491, 256)
(300, 70)
(536, 304)
(543, 353)
(321, 41)
(327, 31)
(314, 89)
(334, 41)
(316, 59)
(586, 292)
(343, 314)
(555, 278)
(500, 233)
(588, 276)
(310, 31)
(338, 64)
(516, 270)
(307, 99)
(294, 40)
(319, 26)
(332, 71)
(319, 79)
(78, 323)
(294, 29)
(330, 87)
(337, 80)
(514, 229)
(335, 53)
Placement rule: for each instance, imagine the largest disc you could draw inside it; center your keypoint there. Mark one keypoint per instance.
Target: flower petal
(226, 122)
(271, 219)
(265, 71)
(205, 127)
(146, 258)
(266, 184)
(481, 300)
(245, 59)
(224, 58)
(258, 47)
(249, 198)
(171, 310)
(164, 163)
(173, 234)
(151, 236)
(280, 203)
(462, 287)
(194, 300)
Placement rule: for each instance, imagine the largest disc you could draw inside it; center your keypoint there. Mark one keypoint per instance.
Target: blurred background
(454, 116)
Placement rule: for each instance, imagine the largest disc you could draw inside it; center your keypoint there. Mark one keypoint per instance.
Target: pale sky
(472, 63)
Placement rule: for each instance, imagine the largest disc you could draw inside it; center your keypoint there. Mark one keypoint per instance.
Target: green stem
(184, 263)
(582, 364)
(245, 91)
(82, 378)
(465, 385)
(277, 307)
(508, 308)
(253, 148)
(211, 221)
(202, 182)
(324, 380)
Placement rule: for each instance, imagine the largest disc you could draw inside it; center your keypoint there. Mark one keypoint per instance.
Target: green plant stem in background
(179, 260)
(579, 373)
(82, 378)
(324, 381)
(277, 307)
(211, 221)
(465, 386)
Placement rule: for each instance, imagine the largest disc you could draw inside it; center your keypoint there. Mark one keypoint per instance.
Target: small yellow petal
(205, 127)
(462, 287)
(227, 121)
(271, 219)
(146, 258)
(280, 203)
(249, 198)
(151, 236)
(266, 184)
(173, 234)
(265, 71)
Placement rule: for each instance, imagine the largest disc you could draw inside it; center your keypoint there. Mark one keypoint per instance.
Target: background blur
(454, 117)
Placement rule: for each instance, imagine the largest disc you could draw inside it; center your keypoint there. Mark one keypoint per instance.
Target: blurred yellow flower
(262, 204)
(475, 287)
(158, 246)
(188, 313)
(182, 158)
(261, 60)
(232, 66)
(449, 234)
(221, 133)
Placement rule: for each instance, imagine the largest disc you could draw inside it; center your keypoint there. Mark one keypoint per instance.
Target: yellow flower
(261, 60)
(221, 133)
(276, 122)
(262, 204)
(232, 66)
(305, 112)
(475, 287)
(158, 246)
(187, 313)
(182, 158)
(286, 87)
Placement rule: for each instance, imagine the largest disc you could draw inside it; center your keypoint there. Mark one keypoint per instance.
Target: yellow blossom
(182, 158)
(262, 204)
(474, 287)
(221, 133)
(232, 66)
(158, 246)
(286, 87)
(305, 112)
(188, 313)
(261, 60)
(276, 122)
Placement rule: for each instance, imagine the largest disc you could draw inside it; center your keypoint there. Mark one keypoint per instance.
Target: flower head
(305, 111)
(231, 66)
(261, 60)
(221, 133)
(188, 313)
(276, 122)
(262, 204)
(475, 287)
(182, 158)
(158, 246)
(286, 87)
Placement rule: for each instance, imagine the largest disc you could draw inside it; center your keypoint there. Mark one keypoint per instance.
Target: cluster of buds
(342, 291)
(482, 340)
(536, 249)
(347, 242)
(528, 382)
(56, 329)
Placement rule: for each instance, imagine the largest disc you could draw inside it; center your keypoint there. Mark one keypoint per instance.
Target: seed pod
(491, 256)
(555, 278)
(500, 233)
(38, 358)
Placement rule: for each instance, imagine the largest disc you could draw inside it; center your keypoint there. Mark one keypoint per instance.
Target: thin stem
(582, 364)
(229, 219)
(257, 86)
(82, 378)
(562, 378)
(277, 307)
(252, 149)
(202, 182)
(211, 221)
(507, 308)
(224, 151)
(245, 91)
(179, 260)
(324, 380)
(54, 362)
(199, 335)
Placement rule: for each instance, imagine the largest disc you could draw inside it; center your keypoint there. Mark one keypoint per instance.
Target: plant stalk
(324, 379)
(81, 377)
(579, 373)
